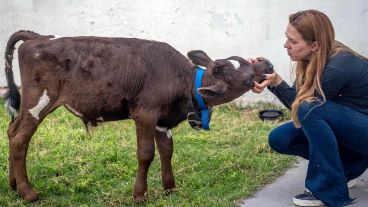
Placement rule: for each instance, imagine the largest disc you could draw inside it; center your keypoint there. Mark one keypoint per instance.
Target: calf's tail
(12, 96)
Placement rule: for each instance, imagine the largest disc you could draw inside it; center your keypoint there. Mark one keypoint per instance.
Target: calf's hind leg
(20, 133)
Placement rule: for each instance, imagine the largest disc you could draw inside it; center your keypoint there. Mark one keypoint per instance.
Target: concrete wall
(222, 28)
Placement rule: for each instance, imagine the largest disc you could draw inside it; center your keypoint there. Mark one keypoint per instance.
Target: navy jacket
(344, 80)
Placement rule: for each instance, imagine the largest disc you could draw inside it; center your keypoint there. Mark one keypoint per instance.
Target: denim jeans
(334, 138)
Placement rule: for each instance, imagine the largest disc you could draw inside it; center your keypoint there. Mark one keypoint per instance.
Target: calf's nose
(269, 67)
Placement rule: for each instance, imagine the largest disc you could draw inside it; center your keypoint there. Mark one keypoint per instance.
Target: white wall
(222, 28)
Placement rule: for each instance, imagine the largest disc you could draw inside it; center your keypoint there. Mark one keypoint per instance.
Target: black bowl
(270, 114)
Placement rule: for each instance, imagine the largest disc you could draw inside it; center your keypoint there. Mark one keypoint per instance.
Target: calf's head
(226, 79)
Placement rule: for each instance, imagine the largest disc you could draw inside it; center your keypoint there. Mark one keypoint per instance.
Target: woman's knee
(277, 141)
(284, 138)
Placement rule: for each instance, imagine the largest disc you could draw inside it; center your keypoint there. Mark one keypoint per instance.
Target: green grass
(217, 168)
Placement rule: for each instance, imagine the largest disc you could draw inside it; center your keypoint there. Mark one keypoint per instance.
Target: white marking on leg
(56, 37)
(42, 103)
(235, 63)
(164, 130)
(161, 129)
(75, 112)
(169, 134)
(100, 119)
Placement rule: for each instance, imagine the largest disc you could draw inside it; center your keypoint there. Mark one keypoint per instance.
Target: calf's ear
(213, 90)
(198, 57)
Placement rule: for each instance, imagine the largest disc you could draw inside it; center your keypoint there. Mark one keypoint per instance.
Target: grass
(217, 168)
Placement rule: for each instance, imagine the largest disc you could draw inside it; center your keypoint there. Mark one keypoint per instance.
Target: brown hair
(314, 26)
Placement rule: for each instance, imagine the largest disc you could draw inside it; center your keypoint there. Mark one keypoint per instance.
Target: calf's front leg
(145, 155)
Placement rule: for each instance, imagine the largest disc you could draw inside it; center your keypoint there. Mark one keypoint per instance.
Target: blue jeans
(334, 138)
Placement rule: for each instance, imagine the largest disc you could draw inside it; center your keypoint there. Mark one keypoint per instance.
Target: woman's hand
(272, 79)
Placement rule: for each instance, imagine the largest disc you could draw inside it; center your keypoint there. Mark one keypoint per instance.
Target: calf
(106, 79)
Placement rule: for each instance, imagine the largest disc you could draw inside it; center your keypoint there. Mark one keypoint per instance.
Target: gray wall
(222, 28)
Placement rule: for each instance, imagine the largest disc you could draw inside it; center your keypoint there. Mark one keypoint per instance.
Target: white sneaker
(307, 199)
(352, 183)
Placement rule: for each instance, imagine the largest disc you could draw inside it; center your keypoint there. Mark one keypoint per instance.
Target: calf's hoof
(169, 191)
(31, 197)
(27, 193)
(139, 199)
(169, 184)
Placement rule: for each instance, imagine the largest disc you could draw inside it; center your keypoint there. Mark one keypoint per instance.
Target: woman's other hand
(272, 79)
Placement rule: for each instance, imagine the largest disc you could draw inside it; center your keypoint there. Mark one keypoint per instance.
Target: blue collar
(204, 109)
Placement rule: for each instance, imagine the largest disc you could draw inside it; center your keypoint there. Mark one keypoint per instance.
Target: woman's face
(297, 47)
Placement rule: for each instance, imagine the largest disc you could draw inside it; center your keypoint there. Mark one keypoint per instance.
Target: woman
(329, 105)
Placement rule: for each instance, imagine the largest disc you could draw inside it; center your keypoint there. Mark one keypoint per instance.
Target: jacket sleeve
(284, 93)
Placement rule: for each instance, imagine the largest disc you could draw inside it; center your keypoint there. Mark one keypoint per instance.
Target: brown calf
(106, 79)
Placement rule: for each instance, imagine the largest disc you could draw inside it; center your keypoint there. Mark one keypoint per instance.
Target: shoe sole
(299, 202)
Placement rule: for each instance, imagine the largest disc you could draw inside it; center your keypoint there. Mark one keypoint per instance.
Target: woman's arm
(277, 86)
(284, 93)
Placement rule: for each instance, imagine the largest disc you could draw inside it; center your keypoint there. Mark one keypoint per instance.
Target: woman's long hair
(314, 26)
